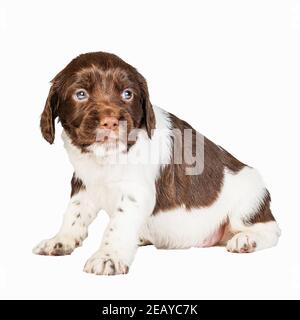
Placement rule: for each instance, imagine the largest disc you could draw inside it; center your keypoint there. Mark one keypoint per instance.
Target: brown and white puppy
(160, 181)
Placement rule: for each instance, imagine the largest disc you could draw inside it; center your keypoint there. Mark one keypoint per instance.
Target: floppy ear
(49, 114)
(149, 117)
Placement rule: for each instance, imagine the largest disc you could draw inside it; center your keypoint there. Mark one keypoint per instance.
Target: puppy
(159, 180)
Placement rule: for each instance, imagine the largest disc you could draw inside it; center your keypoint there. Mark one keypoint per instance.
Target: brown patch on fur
(230, 161)
(264, 213)
(76, 185)
(104, 76)
(77, 243)
(48, 116)
(58, 245)
(174, 188)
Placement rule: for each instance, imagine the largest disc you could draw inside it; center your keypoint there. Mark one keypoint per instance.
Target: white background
(230, 68)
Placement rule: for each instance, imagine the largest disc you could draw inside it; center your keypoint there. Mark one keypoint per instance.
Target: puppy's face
(98, 98)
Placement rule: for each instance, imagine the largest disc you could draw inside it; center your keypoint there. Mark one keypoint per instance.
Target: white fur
(124, 186)
(80, 213)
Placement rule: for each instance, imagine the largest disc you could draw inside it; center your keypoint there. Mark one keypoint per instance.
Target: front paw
(58, 246)
(105, 264)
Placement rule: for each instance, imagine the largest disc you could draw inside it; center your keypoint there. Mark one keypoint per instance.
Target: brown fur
(264, 213)
(76, 185)
(175, 188)
(104, 76)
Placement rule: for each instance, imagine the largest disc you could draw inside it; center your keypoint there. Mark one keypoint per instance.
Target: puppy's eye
(127, 95)
(81, 95)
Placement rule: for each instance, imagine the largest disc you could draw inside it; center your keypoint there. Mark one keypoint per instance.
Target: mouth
(107, 136)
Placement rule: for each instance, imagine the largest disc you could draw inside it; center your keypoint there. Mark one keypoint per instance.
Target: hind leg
(251, 225)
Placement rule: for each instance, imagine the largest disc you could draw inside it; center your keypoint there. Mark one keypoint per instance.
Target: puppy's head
(92, 96)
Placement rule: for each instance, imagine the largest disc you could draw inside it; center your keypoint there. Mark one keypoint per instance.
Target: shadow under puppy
(159, 180)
